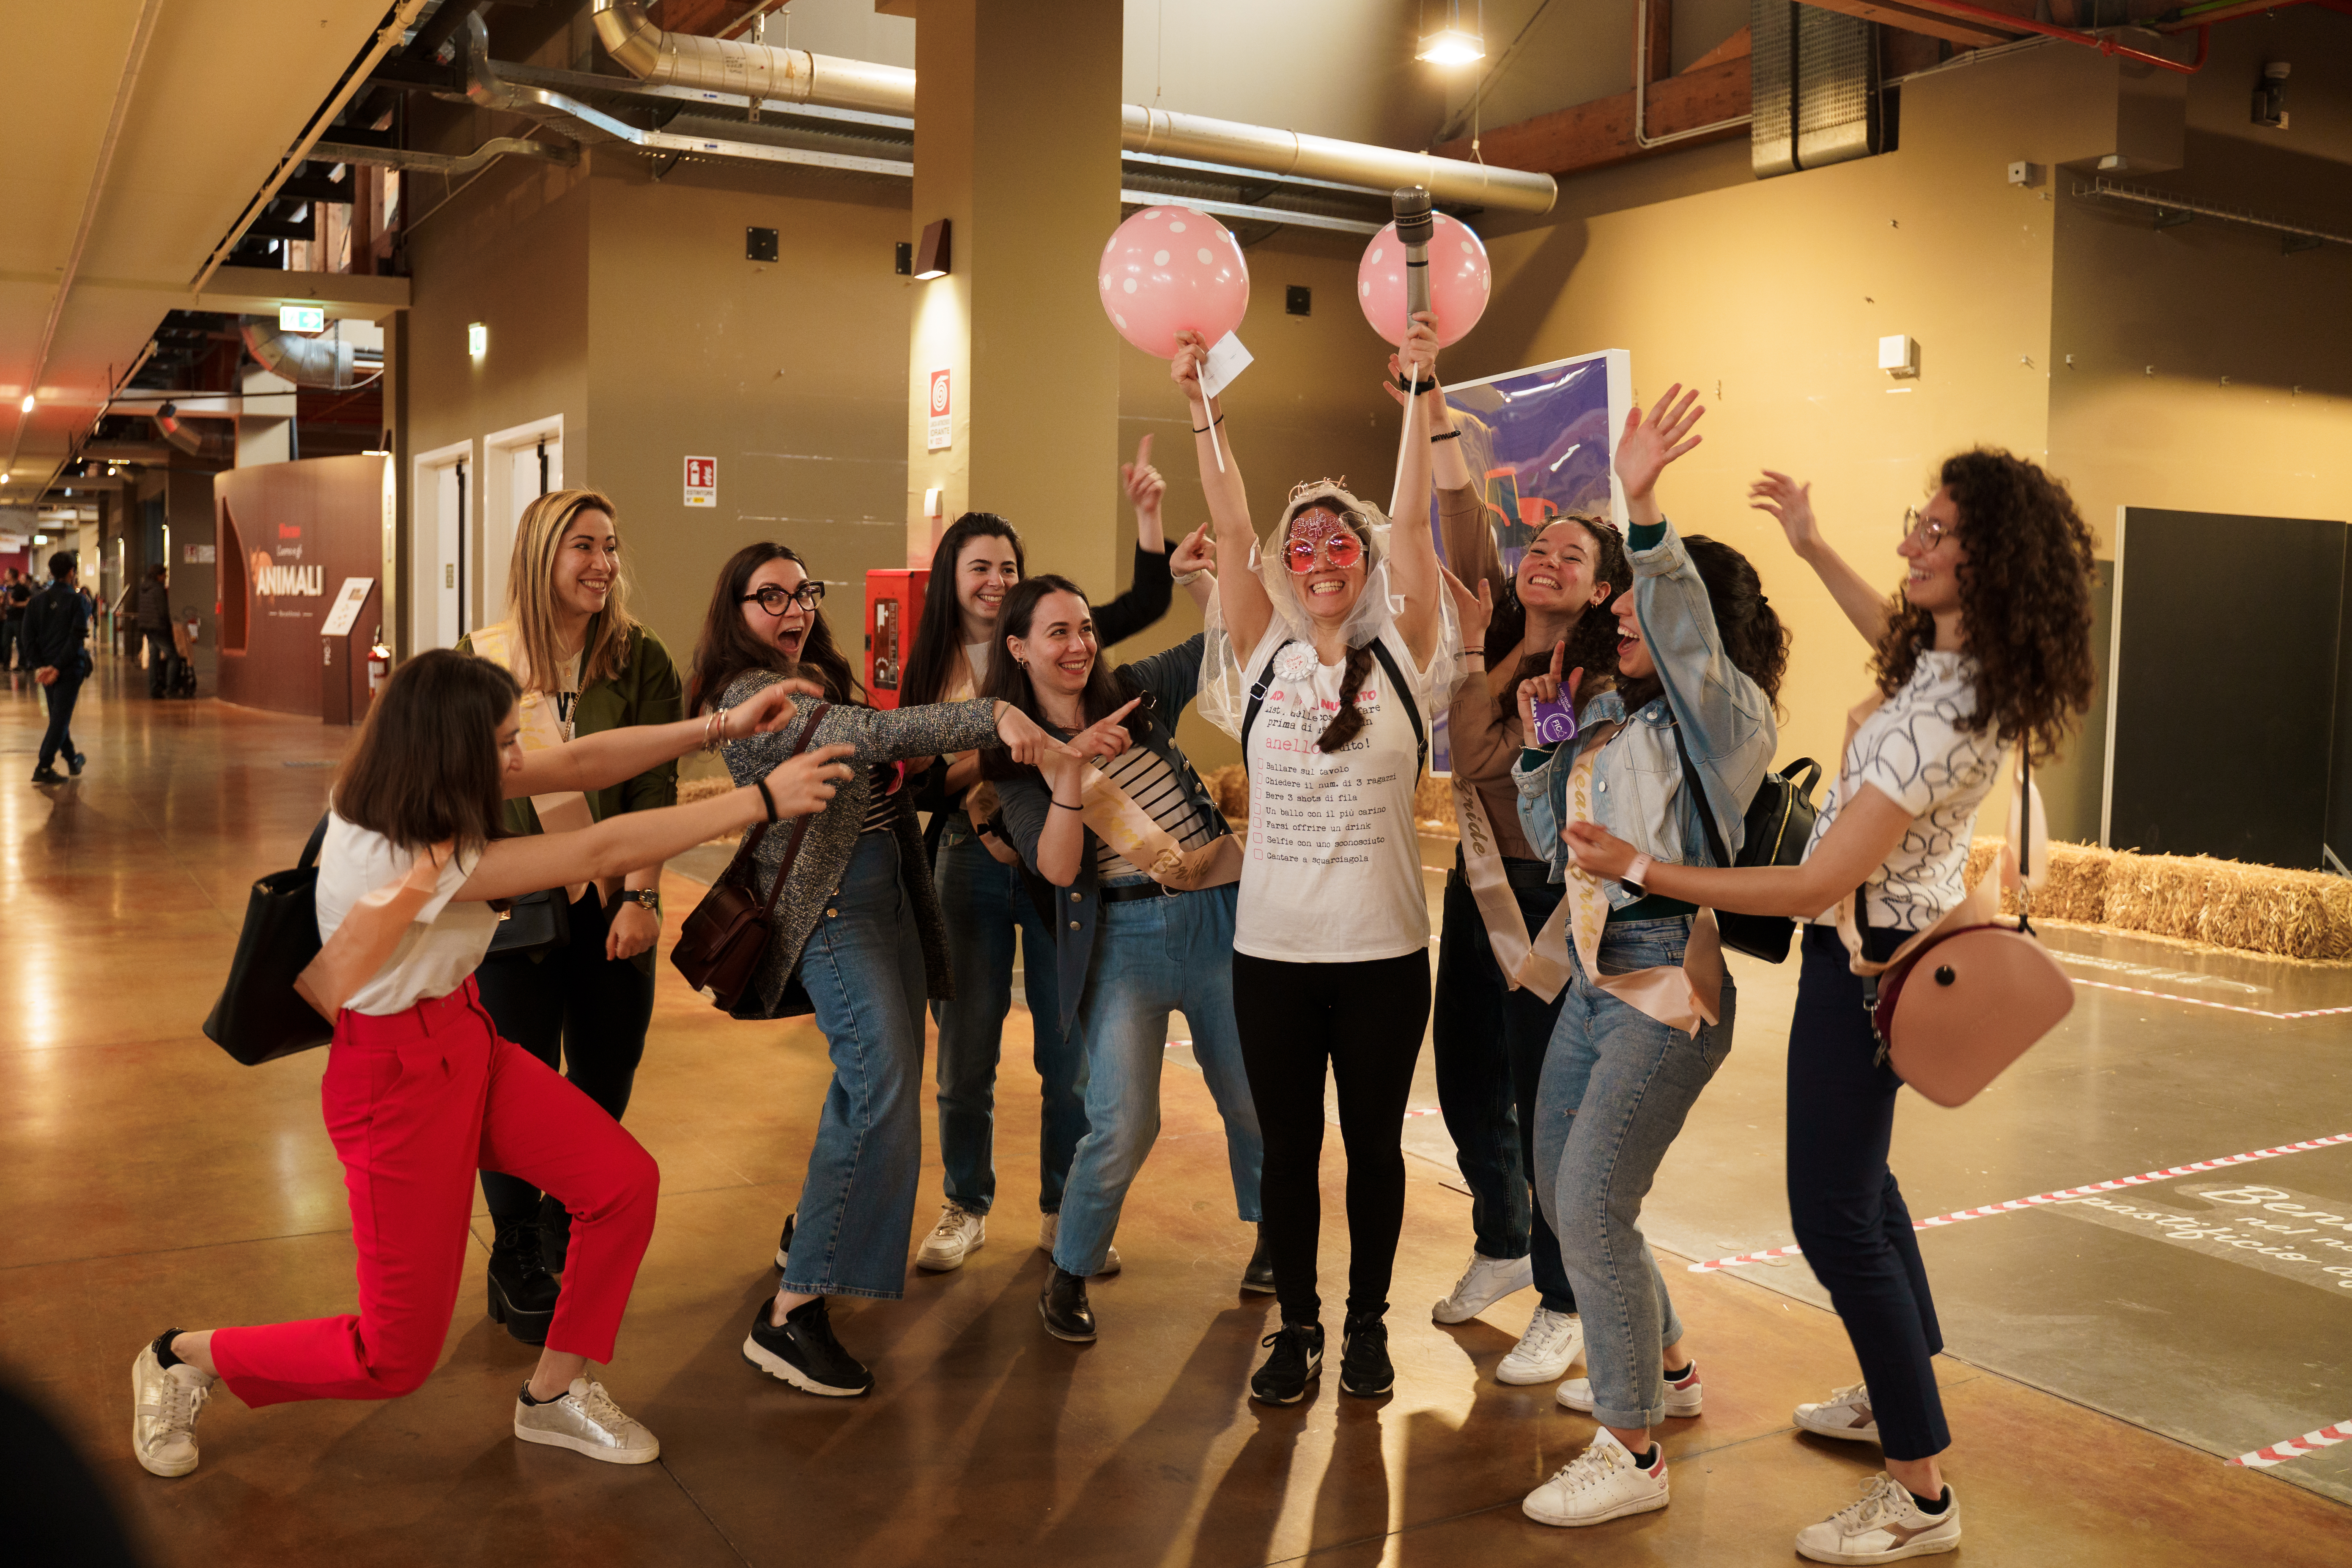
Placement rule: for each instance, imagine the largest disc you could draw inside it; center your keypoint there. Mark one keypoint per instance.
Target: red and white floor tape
(2013, 1204)
(2279, 1453)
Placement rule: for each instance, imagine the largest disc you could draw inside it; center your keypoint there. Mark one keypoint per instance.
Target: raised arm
(1241, 597)
(1412, 549)
(1791, 505)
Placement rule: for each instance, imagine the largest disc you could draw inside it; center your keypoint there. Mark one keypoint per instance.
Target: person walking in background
(154, 623)
(855, 939)
(15, 594)
(56, 638)
(1328, 661)
(978, 879)
(1488, 1032)
(584, 665)
(1985, 647)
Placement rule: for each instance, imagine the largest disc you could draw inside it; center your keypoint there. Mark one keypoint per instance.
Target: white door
(525, 478)
(449, 554)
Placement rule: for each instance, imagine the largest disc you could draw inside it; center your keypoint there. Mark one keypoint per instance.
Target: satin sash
(363, 943)
(1150, 849)
(1681, 998)
(1540, 964)
(560, 811)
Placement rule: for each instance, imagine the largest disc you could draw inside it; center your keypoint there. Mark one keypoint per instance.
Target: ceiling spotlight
(26, 407)
(1451, 47)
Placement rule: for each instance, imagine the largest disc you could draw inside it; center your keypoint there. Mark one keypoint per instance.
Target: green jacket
(646, 691)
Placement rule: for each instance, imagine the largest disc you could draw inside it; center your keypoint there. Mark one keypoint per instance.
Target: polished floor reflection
(152, 1182)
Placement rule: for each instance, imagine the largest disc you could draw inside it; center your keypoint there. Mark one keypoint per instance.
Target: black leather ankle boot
(522, 1292)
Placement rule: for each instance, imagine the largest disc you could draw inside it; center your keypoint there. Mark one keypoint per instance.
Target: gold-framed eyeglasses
(773, 600)
(1917, 524)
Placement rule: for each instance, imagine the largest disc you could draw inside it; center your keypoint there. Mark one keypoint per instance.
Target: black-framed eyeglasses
(773, 599)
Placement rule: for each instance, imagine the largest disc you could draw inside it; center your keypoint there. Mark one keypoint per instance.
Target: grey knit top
(832, 837)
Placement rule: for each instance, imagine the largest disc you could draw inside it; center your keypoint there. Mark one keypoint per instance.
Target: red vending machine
(894, 607)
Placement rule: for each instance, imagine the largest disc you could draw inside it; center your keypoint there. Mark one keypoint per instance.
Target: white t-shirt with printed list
(1913, 749)
(1332, 873)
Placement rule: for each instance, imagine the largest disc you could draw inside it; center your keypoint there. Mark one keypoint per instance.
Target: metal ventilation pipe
(759, 70)
(756, 70)
(213, 445)
(309, 361)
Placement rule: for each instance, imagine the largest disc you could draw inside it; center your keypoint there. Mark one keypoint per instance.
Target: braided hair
(1349, 721)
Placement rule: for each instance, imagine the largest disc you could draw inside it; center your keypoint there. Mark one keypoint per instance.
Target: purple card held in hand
(1555, 723)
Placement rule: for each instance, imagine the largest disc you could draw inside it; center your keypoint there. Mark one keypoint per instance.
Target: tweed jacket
(879, 736)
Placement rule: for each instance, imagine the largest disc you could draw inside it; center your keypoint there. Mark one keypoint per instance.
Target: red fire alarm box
(894, 607)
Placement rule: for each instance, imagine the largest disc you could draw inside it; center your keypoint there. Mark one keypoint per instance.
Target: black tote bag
(260, 1017)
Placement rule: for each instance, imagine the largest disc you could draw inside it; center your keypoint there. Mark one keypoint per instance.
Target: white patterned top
(1914, 750)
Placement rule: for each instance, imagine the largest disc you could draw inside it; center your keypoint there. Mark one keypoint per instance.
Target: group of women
(527, 781)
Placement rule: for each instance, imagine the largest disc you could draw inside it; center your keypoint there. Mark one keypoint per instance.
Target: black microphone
(1414, 225)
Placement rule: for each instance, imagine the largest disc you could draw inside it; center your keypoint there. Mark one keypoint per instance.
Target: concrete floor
(2099, 1373)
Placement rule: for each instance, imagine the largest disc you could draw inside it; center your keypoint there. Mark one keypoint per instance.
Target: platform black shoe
(804, 1353)
(1297, 1360)
(1259, 1276)
(1365, 1370)
(555, 1233)
(1063, 1305)
(522, 1293)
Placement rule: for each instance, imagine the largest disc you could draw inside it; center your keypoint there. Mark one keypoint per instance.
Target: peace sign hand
(1649, 445)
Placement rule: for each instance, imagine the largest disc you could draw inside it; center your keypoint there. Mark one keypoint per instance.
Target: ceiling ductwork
(214, 443)
(309, 361)
(795, 76)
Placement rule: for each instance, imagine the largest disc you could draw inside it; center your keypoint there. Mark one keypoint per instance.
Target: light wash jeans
(982, 903)
(863, 968)
(1616, 1087)
(1152, 957)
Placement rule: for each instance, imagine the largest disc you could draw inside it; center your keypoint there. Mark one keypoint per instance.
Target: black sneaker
(804, 1353)
(1259, 1276)
(1063, 1305)
(522, 1293)
(1297, 1360)
(48, 776)
(1365, 1370)
(785, 1243)
(555, 1233)
(74, 762)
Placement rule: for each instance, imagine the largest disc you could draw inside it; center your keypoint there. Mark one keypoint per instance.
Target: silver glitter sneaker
(164, 1405)
(586, 1421)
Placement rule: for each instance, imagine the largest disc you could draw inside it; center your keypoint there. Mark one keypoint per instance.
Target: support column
(1016, 145)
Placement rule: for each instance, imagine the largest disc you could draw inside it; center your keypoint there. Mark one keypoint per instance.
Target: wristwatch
(1637, 874)
(648, 898)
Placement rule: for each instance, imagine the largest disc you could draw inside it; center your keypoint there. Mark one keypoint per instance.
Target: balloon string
(1404, 436)
(1216, 450)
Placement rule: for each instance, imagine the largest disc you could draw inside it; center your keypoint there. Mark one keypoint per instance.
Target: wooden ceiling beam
(1921, 16)
(1596, 134)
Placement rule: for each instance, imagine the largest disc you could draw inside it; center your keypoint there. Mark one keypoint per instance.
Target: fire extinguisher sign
(942, 429)
(702, 481)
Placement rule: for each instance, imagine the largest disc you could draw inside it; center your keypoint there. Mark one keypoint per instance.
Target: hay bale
(2255, 909)
(1229, 787)
(1432, 806)
(692, 789)
(2075, 880)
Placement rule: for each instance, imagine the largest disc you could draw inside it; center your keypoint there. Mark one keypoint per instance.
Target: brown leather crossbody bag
(720, 944)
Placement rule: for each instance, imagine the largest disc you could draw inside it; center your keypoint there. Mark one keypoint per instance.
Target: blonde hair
(530, 595)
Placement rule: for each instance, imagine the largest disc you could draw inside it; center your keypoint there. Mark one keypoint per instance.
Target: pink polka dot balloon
(1459, 281)
(1169, 270)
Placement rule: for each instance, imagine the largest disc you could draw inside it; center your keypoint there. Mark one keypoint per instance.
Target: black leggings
(1366, 1019)
(574, 1008)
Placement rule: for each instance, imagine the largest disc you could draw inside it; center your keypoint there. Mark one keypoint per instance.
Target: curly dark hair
(2025, 601)
(1592, 644)
(1753, 635)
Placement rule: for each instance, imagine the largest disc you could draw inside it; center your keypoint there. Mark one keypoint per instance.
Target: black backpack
(1779, 824)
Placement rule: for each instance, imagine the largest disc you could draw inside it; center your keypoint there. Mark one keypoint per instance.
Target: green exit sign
(302, 319)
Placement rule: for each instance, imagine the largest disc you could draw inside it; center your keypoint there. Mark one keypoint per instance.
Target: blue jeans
(1153, 956)
(1616, 1087)
(863, 968)
(982, 903)
(1489, 1043)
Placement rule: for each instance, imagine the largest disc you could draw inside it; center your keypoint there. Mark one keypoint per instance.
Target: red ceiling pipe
(2104, 45)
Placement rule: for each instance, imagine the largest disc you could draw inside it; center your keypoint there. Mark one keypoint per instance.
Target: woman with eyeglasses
(856, 941)
(582, 994)
(1330, 689)
(1984, 646)
(1143, 870)
(976, 564)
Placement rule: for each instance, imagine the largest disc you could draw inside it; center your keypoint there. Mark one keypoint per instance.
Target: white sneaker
(1486, 1281)
(1049, 1227)
(1886, 1526)
(164, 1405)
(1683, 1399)
(957, 1236)
(1601, 1483)
(586, 1421)
(1553, 1342)
(1845, 1414)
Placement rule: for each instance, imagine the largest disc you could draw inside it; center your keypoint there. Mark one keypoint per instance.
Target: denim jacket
(1637, 785)
(1173, 679)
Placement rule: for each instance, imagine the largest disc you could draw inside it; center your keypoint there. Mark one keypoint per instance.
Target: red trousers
(416, 1103)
